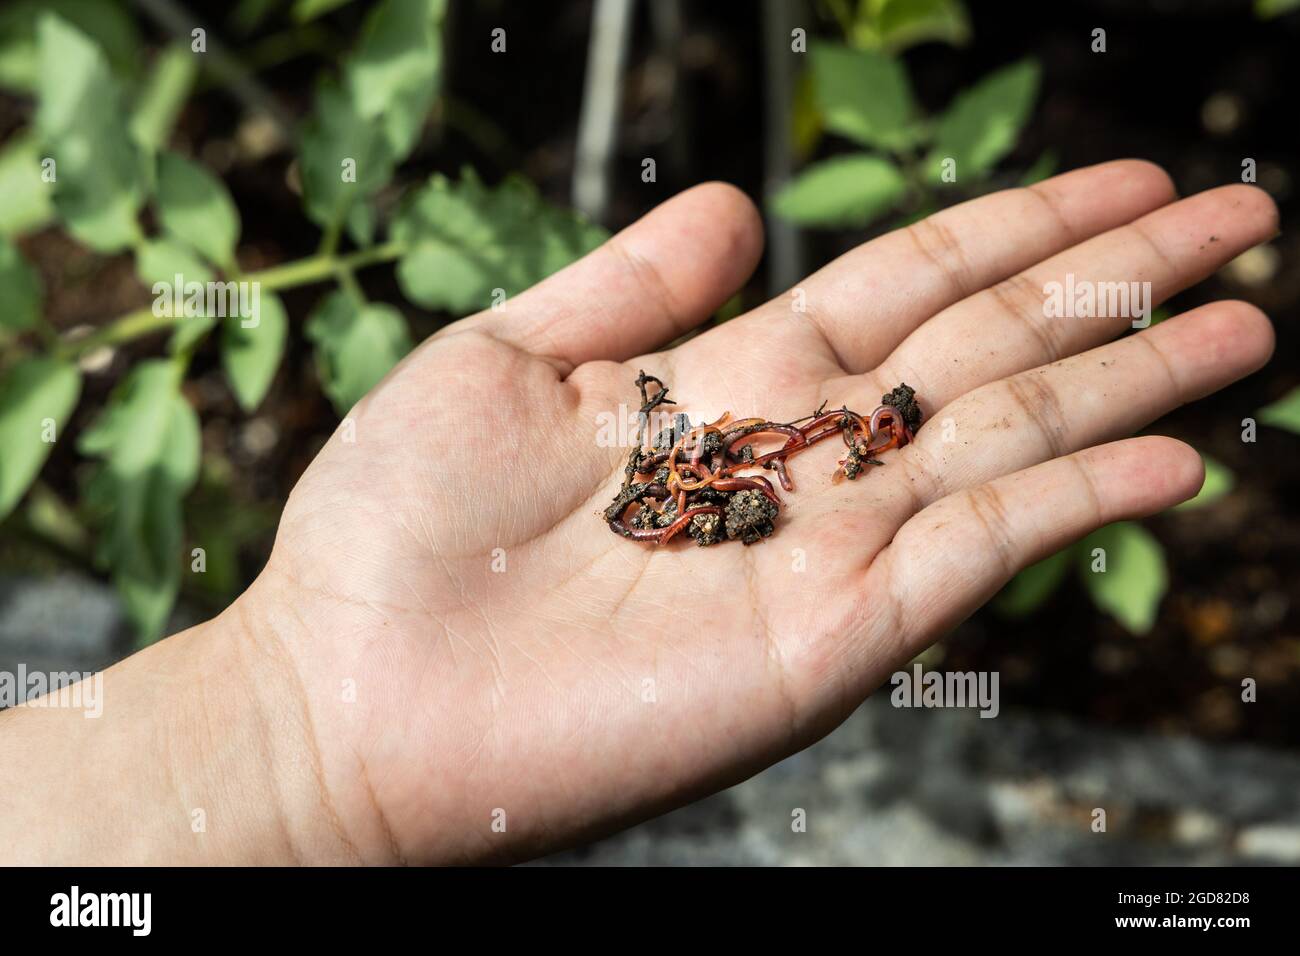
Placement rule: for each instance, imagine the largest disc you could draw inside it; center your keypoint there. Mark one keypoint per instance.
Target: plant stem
(317, 268)
(123, 329)
(245, 87)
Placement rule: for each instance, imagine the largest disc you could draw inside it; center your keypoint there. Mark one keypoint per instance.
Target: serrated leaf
(464, 240)
(357, 344)
(842, 191)
(982, 124)
(336, 134)
(101, 174)
(195, 207)
(1027, 591)
(371, 120)
(34, 394)
(251, 356)
(148, 440)
(864, 95)
(20, 289)
(1219, 481)
(392, 76)
(28, 201)
(1284, 413)
(439, 275)
(1135, 578)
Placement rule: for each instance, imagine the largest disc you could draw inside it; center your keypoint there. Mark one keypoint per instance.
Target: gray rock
(65, 621)
(940, 787)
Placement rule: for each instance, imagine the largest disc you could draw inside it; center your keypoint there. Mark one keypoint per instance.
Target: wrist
(192, 758)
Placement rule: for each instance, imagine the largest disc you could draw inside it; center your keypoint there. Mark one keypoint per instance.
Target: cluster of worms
(688, 478)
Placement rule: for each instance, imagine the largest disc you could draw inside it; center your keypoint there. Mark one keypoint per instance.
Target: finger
(1106, 393)
(1005, 329)
(865, 302)
(955, 555)
(658, 278)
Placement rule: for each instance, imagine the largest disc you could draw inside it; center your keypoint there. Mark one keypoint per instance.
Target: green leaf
(222, 514)
(842, 191)
(251, 356)
(164, 94)
(305, 10)
(20, 289)
(392, 77)
(982, 124)
(190, 332)
(1027, 591)
(805, 120)
(36, 397)
(466, 240)
(1219, 481)
(26, 201)
(357, 344)
(864, 95)
(164, 260)
(148, 440)
(364, 125)
(101, 175)
(105, 21)
(1135, 578)
(904, 23)
(1044, 166)
(1267, 9)
(195, 207)
(344, 158)
(439, 275)
(1284, 413)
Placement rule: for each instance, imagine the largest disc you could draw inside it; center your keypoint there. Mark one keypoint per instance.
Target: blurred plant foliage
(96, 163)
(1134, 580)
(859, 90)
(894, 25)
(1268, 9)
(1284, 413)
(1122, 566)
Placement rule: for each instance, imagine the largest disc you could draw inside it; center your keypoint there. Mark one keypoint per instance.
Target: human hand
(590, 681)
(449, 657)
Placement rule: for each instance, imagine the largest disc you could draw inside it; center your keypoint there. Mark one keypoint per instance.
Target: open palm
(479, 669)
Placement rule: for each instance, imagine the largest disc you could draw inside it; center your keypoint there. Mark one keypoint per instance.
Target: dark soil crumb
(750, 517)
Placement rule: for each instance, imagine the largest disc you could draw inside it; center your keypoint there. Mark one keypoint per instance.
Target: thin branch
(784, 241)
(179, 22)
(318, 268)
(611, 25)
